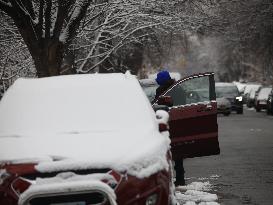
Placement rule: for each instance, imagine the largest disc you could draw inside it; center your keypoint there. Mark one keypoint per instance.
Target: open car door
(193, 117)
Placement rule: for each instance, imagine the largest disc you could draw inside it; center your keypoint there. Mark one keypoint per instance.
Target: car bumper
(223, 110)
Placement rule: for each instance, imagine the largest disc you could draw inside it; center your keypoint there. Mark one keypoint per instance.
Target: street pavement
(243, 172)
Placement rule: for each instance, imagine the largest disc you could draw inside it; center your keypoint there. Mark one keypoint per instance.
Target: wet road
(243, 172)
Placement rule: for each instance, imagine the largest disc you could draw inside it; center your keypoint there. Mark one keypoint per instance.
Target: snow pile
(198, 186)
(196, 194)
(71, 176)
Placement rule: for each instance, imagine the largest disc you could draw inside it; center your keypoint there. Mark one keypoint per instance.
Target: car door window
(194, 90)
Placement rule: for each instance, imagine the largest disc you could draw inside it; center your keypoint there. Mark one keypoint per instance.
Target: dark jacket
(162, 88)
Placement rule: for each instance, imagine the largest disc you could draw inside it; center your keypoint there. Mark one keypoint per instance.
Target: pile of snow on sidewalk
(196, 193)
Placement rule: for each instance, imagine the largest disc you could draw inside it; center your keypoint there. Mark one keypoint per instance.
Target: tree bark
(48, 59)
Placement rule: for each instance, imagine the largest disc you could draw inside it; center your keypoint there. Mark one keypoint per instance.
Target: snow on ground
(196, 193)
(248, 108)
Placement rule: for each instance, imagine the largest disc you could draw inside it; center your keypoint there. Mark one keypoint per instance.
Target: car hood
(138, 153)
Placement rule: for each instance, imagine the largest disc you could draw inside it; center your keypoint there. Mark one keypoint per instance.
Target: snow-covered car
(262, 96)
(191, 103)
(231, 93)
(223, 106)
(249, 93)
(240, 86)
(81, 140)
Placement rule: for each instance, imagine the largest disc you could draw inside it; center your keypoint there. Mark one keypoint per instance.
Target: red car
(75, 140)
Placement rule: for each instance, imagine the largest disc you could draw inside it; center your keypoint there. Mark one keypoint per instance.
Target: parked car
(191, 103)
(249, 93)
(269, 107)
(262, 96)
(149, 86)
(83, 139)
(231, 93)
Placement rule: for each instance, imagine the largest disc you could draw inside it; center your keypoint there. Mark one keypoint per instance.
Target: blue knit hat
(163, 77)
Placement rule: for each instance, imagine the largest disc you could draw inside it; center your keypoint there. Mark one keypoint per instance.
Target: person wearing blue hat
(165, 81)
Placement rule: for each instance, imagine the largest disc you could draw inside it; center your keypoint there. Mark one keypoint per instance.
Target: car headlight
(151, 200)
(3, 175)
(240, 98)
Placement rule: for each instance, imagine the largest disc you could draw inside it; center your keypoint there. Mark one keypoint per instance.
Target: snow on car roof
(224, 84)
(240, 86)
(250, 87)
(264, 93)
(147, 81)
(93, 121)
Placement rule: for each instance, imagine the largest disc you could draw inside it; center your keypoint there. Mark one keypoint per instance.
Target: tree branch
(48, 18)
(74, 22)
(41, 19)
(7, 8)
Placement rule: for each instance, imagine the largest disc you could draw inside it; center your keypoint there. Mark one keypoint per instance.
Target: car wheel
(258, 109)
(240, 111)
(226, 113)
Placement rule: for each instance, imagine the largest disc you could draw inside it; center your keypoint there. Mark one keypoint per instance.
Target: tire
(269, 111)
(258, 109)
(240, 111)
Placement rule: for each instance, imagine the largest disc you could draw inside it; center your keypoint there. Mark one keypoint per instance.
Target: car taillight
(19, 185)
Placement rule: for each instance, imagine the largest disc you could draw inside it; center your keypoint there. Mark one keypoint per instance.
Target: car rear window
(264, 93)
(226, 91)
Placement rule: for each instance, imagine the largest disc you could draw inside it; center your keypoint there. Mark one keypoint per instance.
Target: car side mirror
(165, 100)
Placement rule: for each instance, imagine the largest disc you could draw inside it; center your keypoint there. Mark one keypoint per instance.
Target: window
(191, 91)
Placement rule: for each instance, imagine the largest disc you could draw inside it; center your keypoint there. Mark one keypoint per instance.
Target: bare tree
(246, 33)
(47, 28)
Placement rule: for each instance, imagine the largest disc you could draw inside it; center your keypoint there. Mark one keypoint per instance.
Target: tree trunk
(48, 59)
